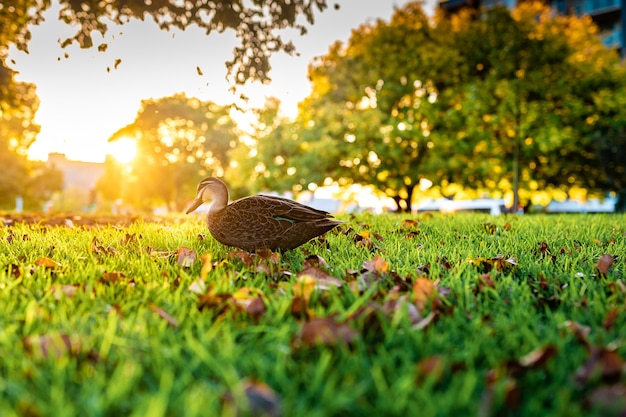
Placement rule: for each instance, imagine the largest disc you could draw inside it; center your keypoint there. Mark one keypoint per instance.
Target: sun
(123, 150)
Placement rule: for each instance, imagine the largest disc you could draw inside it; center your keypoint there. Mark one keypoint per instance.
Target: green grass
(120, 357)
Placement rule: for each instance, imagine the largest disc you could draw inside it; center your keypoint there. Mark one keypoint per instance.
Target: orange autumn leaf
(47, 263)
(113, 277)
(377, 264)
(423, 292)
(207, 265)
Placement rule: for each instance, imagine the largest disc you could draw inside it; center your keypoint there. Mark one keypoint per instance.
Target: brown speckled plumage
(260, 221)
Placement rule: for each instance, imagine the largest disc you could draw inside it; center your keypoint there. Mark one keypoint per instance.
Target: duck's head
(210, 189)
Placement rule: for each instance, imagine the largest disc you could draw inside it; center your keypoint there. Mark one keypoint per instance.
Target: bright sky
(82, 104)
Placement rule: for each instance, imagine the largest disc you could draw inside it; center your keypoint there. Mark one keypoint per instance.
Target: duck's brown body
(261, 221)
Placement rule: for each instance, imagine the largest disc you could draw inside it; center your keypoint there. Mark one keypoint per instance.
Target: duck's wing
(280, 208)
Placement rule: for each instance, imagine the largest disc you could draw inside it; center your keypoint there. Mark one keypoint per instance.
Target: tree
(32, 181)
(491, 102)
(257, 24)
(180, 140)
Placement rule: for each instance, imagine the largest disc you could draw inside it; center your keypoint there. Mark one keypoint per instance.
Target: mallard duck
(259, 221)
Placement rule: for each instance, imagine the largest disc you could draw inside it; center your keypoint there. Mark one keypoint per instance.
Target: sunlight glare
(123, 150)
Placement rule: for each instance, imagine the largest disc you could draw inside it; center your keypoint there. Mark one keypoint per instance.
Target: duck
(259, 221)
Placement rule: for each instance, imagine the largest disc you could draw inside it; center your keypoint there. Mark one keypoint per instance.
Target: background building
(79, 183)
(609, 15)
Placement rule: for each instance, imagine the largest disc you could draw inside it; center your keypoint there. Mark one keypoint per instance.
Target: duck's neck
(219, 195)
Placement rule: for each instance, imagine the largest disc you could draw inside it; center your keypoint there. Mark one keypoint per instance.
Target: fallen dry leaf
(164, 315)
(604, 263)
(47, 263)
(261, 399)
(611, 317)
(326, 331)
(424, 292)
(603, 363)
(430, 368)
(377, 264)
(578, 330)
(52, 345)
(538, 357)
(113, 277)
(186, 257)
(609, 400)
(64, 290)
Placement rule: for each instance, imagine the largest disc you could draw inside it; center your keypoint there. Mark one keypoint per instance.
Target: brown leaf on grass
(323, 280)
(245, 299)
(363, 239)
(485, 282)
(256, 308)
(377, 264)
(268, 255)
(579, 331)
(538, 357)
(315, 261)
(499, 262)
(326, 331)
(186, 257)
(424, 292)
(47, 263)
(13, 270)
(609, 400)
(604, 263)
(243, 256)
(164, 315)
(510, 389)
(261, 401)
(60, 291)
(162, 254)
(113, 277)
(130, 238)
(410, 223)
(197, 287)
(611, 317)
(97, 248)
(430, 368)
(300, 308)
(490, 227)
(603, 363)
(54, 345)
(219, 303)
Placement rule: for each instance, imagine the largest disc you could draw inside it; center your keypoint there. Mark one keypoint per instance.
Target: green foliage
(32, 181)
(256, 24)
(461, 101)
(179, 140)
(124, 332)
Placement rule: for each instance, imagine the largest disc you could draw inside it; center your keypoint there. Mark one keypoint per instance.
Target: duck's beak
(194, 205)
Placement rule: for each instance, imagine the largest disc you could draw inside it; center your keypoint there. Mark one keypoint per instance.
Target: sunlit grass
(126, 359)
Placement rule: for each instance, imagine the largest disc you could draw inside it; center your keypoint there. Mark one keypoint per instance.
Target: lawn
(434, 315)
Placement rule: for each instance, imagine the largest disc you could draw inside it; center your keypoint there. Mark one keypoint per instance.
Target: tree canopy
(180, 140)
(257, 24)
(465, 102)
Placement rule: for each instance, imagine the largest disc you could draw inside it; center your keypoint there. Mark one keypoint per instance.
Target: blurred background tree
(33, 181)
(180, 140)
(495, 102)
